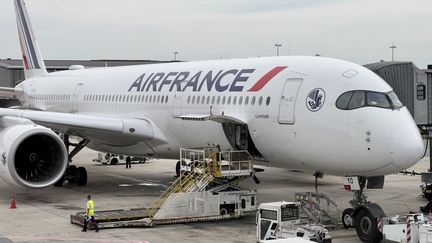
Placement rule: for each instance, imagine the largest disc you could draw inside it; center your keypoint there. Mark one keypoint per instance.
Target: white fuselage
(286, 132)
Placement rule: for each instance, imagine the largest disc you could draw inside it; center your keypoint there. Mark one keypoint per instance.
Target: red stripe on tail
(266, 78)
(26, 65)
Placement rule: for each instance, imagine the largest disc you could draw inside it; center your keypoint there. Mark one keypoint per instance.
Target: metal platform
(206, 190)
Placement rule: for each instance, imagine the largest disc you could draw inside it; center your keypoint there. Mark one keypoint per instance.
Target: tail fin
(32, 57)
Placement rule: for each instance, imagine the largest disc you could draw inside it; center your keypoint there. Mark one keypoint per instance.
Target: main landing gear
(363, 214)
(73, 174)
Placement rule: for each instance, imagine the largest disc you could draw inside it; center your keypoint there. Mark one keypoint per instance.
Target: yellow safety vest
(90, 205)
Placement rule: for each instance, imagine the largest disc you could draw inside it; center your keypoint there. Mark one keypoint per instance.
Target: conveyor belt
(111, 215)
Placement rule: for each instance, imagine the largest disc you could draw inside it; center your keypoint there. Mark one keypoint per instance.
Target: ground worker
(128, 162)
(89, 217)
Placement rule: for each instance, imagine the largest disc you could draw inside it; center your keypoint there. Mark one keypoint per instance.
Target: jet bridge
(207, 189)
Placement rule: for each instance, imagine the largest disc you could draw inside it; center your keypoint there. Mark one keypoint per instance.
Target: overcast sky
(360, 31)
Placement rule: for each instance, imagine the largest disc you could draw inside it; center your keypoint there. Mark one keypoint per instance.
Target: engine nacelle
(31, 156)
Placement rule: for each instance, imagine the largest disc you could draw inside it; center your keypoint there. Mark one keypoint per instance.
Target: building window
(421, 92)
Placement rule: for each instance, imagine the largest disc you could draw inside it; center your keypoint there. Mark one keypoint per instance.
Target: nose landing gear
(364, 214)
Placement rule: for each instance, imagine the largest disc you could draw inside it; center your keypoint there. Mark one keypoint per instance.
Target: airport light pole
(392, 47)
(175, 55)
(277, 45)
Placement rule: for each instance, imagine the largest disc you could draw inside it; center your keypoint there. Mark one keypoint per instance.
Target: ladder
(318, 207)
(194, 181)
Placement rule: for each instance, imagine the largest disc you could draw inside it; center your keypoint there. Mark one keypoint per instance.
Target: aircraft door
(75, 97)
(177, 100)
(176, 107)
(288, 100)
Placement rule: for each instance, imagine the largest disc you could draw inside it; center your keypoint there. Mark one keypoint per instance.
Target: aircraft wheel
(223, 211)
(114, 161)
(366, 227)
(72, 170)
(82, 176)
(347, 220)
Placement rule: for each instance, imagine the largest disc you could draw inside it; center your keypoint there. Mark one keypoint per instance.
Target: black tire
(82, 176)
(366, 227)
(347, 220)
(428, 192)
(60, 182)
(73, 173)
(223, 211)
(114, 161)
(177, 169)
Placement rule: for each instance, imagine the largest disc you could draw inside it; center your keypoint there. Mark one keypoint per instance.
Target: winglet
(32, 58)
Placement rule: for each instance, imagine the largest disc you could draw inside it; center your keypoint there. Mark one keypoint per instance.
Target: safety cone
(13, 203)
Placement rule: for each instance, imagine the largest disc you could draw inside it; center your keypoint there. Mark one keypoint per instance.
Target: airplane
(298, 112)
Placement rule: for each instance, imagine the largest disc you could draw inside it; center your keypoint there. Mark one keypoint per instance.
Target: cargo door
(288, 101)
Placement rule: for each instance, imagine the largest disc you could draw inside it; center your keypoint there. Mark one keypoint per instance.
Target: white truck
(280, 222)
(113, 159)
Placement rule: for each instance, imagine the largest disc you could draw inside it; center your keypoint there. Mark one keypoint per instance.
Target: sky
(360, 31)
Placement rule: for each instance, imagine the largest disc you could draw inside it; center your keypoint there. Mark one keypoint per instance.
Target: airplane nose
(406, 146)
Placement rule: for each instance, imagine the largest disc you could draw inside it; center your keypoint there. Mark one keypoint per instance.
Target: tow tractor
(206, 190)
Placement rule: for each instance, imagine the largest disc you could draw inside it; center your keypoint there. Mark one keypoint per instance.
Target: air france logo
(315, 99)
(233, 80)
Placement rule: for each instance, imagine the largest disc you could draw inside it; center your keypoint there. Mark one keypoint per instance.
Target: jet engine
(31, 156)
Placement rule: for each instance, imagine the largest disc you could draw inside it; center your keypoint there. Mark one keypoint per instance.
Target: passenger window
(240, 100)
(208, 100)
(253, 101)
(421, 92)
(188, 99)
(343, 100)
(218, 100)
(234, 100)
(198, 100)
(377, 99)
(247, 100)
(260, 100)
(223, 100)
(268, 101)
(154, 98)
(229, 100)
(202, 99)
(213, 100)
(357, 100)
(166, 99)
(193, 99)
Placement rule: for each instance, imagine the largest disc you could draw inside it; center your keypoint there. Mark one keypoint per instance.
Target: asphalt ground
(43, 215)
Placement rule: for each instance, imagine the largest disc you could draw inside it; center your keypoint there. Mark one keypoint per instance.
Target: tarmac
(43, 215)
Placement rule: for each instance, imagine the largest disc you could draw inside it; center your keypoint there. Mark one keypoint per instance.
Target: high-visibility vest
(90, 205)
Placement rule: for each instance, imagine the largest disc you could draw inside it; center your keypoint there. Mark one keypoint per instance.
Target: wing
(110, 130)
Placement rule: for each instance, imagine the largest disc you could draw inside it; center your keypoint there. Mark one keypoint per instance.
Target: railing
(196, 180)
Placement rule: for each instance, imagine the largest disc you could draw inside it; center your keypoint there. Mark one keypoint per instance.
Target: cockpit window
(343, 100)
(378, 100)
(359, 98)
(395, 100)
